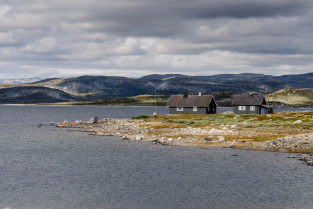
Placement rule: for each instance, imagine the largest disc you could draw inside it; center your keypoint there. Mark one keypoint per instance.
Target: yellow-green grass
(294, 97)
(248, 127)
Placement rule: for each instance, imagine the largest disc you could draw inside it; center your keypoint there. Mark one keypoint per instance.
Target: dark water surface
(50, 167)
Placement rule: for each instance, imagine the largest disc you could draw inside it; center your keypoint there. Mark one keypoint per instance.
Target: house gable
(250, 104)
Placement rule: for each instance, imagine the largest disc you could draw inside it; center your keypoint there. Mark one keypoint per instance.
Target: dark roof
(249, 99)
(190, 101)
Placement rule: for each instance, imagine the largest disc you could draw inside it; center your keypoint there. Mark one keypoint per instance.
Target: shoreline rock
(289, 143)
(308, 160)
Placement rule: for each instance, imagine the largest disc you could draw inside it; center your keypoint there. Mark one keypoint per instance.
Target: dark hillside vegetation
(33, 95)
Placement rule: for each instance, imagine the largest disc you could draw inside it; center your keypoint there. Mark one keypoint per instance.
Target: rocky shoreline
(289, 143)
(301, 141)
(158, 132)
(139, 130)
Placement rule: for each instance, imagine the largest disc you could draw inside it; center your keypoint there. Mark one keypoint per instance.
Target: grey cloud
(249, 9)
(164, 35)
(176, 19)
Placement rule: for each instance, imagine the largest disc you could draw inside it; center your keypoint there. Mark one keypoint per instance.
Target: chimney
(185, 94)
(199, 94)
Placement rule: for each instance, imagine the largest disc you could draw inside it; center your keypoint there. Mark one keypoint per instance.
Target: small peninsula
(289, 131)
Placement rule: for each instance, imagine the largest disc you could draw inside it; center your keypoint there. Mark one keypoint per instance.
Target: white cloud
(129, 46)
(44, 45)
(22, 20)
(4, 9)
(6, 39)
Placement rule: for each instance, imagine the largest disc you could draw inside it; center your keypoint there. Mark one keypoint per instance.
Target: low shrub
(141, 117)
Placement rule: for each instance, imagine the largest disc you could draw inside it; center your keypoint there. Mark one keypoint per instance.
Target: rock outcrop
(302, 141)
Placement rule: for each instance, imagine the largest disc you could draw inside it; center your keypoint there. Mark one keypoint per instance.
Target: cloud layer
(139, 37)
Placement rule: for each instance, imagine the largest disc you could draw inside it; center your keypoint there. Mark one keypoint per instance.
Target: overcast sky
(58, 38)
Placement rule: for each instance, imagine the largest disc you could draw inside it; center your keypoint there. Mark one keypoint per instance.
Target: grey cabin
(250, 104)
(192, 104)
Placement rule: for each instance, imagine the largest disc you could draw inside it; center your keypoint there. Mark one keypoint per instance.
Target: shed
(192, 104)
(251, 104)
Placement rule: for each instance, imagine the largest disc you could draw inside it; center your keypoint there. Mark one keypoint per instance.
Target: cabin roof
(190, 100)
(249, 99)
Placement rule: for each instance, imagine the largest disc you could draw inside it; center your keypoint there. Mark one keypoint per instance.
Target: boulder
(207, 139)
(232, 145)
(233, 126)
(308, 160)
(221, 139)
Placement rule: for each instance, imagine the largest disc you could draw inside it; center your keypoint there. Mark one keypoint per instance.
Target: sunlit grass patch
(251, 127)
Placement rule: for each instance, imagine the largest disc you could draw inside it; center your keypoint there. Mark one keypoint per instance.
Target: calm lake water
(51, 167)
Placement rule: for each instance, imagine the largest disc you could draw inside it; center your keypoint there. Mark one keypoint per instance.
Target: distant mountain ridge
(33, 94)
(90, 88)
(160, 76)
(19, 81)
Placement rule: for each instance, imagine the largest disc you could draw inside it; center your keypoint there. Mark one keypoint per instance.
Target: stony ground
(158, 132)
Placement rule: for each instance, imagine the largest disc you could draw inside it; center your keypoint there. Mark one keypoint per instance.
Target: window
(252, 108)
(195, 109)
(179, 109)
(242, 108)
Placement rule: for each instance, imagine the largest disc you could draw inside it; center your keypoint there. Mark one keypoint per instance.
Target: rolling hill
(91, 88)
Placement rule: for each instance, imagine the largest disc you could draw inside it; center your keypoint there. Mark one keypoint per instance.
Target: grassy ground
(293, 97)
(250, 128)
